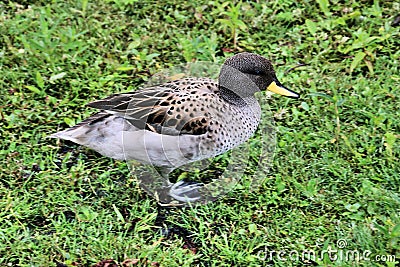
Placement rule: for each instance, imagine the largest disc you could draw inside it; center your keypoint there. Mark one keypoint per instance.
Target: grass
(335, 174)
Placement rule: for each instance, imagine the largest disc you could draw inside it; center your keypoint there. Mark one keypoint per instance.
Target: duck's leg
(182, 191)
(164, 172)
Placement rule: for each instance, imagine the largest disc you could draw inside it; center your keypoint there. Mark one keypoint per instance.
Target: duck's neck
(232, 98)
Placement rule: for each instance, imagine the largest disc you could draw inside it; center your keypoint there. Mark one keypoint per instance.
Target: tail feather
(74, 135)
(87, 130)
(101, 132)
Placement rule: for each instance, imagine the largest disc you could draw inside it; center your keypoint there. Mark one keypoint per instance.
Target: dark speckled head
(246, 73)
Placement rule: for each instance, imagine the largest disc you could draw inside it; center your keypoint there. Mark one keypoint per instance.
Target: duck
(181, 121)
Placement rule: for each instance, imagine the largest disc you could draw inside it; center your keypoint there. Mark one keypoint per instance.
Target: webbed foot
(186, 191)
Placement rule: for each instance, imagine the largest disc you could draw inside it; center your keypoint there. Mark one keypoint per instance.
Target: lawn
(333, 186)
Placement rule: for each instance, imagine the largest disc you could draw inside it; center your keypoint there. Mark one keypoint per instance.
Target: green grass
(335, 174)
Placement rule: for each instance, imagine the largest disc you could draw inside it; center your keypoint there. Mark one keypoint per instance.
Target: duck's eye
(256, 72)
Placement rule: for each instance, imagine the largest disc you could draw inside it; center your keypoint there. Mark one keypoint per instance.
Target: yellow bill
(278, 88)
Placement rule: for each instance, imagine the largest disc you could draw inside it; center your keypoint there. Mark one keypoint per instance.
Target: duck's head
(246, 73)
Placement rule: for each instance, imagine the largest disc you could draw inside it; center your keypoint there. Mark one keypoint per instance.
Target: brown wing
(173, 108)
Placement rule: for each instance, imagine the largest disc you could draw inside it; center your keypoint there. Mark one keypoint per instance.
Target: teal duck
(181, 121)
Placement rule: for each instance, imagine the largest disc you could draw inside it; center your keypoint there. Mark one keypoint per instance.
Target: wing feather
(173, 108)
